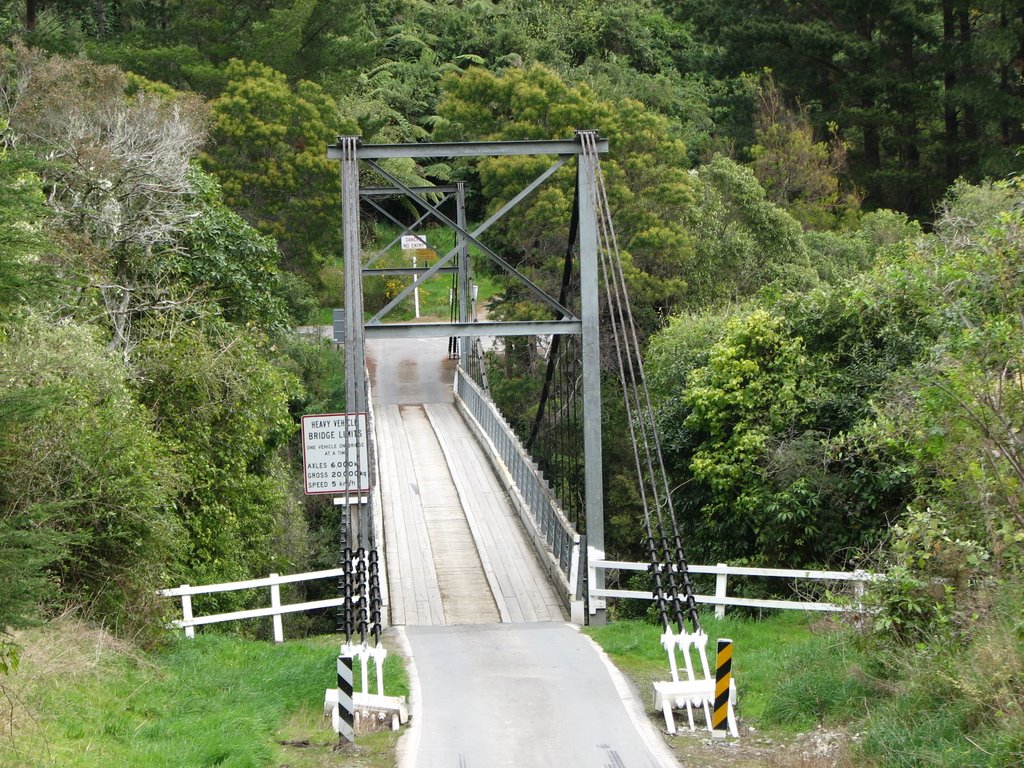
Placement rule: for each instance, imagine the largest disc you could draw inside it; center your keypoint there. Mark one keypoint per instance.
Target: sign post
(416, 244)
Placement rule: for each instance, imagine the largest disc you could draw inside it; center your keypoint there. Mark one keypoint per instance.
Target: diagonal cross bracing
(473, 238)
(404, 230)
(368, 193)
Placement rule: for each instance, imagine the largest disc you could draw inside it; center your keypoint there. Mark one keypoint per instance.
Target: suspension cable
(667, 560)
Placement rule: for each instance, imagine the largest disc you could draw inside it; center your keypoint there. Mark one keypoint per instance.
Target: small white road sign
(334, 455)
(414, 243)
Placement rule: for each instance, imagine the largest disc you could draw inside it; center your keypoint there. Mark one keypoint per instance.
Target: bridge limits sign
(334, 456)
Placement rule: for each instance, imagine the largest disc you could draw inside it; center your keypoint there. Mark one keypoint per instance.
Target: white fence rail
(722, 572)
(189, 622)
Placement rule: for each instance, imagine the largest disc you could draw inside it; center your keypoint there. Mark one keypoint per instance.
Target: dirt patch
(755, 748)
(820, 748)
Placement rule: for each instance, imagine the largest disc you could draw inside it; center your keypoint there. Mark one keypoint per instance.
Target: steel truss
(351, 152)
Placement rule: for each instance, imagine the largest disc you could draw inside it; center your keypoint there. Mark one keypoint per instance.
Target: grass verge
(82, 698)
(793, 671)
(951, 703)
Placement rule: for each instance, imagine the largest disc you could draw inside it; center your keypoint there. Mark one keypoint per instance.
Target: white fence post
(186, 611)
(721, 586)
(275, 602)
(859, 585)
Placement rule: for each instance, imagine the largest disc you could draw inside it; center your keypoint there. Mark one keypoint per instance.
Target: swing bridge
(463, 523)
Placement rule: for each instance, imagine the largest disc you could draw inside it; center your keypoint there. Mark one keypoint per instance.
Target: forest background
(820, 209)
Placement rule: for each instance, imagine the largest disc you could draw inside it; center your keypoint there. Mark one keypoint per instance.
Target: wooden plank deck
(415, 595)
(523, 586)
(465, 593)
(456, 551)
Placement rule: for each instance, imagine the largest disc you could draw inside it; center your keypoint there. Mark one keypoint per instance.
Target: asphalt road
(524, 695)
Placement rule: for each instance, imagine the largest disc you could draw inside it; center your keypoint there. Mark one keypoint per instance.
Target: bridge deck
(456, 550)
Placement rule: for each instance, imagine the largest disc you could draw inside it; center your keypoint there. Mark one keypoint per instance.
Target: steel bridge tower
(351, 153)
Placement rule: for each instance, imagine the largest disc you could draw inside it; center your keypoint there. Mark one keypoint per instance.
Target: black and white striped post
(345, 717)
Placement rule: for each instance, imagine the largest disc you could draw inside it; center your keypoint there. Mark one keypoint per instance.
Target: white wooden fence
(720, 599)
(189, 621)
(722, 572)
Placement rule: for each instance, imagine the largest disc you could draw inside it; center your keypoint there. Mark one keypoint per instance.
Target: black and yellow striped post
(720, 724)
(345, 720)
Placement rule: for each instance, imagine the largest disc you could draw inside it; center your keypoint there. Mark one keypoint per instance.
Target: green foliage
(118, 179)
(187, 44)
(298, 298)
(321, 369)
(28, 547)
(853, 400)
(743, 242)
(912, 610)
(799, 174)
(269, 150)
(223, 405)
(964, 698)
(683, 346)
(827, 465)
(310, 39)
(235, 264)
(839, 256)
(966, 401)
(22, 234)
(186, 289)
(88, 474)
(648, 184)
(748, 409)
(184, 65)
(570, 34)
(922, 92)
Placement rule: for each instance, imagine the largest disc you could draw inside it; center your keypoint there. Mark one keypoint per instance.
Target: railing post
(577, 598)
(721, 586)
(186, 611)
(275, 602)
(859, 587)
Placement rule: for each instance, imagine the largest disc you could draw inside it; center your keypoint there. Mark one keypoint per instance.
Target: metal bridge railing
(554, 536)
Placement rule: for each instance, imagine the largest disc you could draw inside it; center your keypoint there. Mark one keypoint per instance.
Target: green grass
(83, 700)
(948, 704)
(955, 705)
(792, 670)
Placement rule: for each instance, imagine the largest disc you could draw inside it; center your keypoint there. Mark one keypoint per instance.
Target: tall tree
(889, 75)
(649, 185)
(119, 170)
(27, 547)
(268, 148)
(797, 172)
